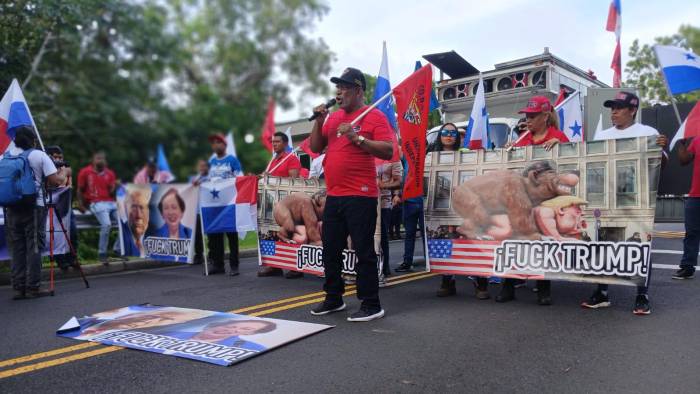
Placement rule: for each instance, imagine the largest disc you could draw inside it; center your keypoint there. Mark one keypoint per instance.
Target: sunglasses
(448, 133)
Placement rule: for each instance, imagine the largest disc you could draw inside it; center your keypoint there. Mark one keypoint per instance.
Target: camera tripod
(76, 263)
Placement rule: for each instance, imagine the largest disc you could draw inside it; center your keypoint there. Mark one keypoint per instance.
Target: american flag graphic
(283, 255)
(468, 257)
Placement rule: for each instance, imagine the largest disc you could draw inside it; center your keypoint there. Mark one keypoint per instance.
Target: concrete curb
(114, 266)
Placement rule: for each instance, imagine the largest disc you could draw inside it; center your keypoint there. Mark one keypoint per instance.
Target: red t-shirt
(348, 169)
(694, 149)
(552, 132)
(94, 185)
(292, 163)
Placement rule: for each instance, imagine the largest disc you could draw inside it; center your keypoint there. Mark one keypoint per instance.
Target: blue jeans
(412, 217)
(105, 212)
(691, 242)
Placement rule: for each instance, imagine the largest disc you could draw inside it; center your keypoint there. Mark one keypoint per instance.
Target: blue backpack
(17, 185)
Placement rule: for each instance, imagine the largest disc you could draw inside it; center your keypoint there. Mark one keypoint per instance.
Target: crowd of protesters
(350, 206)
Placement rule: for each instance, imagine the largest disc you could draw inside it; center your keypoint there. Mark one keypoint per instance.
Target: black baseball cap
(623, 99)
(351, 76)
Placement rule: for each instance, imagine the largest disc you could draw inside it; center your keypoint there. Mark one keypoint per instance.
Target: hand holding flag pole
(371, 107)
(525, 134)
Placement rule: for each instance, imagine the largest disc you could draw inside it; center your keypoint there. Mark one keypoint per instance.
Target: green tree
(643, 70)
(123, 76)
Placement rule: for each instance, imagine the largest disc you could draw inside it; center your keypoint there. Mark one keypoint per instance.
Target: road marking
(58, 361)
(667, 251)
(108, 349)
(67, 349)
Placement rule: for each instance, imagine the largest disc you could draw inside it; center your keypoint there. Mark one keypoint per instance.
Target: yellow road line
(109, 349)
(24, 359)
(58, 361)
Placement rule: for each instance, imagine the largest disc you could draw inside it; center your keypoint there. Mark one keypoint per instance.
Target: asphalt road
(424, 344)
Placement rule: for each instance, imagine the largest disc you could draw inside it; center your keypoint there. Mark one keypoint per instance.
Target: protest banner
(581, 212)
(290, 224)
(213, 337)
(157, 221)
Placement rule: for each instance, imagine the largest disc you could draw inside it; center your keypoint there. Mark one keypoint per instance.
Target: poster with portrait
(158, 221)
(580, 212)
(213, 337)
(290, 213)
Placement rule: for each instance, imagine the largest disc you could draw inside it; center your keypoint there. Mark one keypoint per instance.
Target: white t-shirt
(317, 167)
(636, 130)
(42, 165)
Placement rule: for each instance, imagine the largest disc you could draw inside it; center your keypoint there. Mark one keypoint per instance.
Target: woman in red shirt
(543, 129)
(542, 124)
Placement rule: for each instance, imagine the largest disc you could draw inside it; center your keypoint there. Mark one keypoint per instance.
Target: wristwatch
(360, 140)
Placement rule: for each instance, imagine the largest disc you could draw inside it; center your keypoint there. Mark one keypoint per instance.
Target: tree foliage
(123, 76)
(643, 70)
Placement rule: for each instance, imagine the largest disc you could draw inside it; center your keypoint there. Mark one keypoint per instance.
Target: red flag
(413, 106)
(395, 157)
(268, 129)
(306, 147)
(616, 65)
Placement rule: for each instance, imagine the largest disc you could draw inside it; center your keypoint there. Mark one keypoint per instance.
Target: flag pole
(371, 107)
(510, 148)
(668, 89)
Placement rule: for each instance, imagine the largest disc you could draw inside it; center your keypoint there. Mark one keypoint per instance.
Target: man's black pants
(356, 217)
(216, 249)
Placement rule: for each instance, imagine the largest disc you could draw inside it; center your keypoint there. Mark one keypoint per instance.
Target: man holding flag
(355, 135)
(688, 138)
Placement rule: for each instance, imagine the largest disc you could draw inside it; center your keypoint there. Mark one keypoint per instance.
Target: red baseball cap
(218, 137)
(536, 105)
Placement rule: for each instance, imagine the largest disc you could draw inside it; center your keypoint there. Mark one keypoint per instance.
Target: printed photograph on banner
(157, 221)
(290, 225)
(213, 337)
(581, 212)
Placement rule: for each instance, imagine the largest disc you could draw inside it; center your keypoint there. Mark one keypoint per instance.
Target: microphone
(329, 104)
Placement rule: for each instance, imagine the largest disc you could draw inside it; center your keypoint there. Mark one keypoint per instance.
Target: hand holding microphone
(322, 110)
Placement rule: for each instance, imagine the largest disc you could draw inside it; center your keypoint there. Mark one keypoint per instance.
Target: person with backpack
(23, 170)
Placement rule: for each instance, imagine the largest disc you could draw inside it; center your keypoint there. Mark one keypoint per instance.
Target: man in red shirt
(351, 205)
(688, 151)
(283, 164)
(96, 186)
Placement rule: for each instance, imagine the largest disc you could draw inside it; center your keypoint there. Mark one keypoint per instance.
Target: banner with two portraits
(580, 212)
(158, 221)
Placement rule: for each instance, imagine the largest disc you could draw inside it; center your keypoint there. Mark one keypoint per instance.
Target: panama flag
(681, 68)
(614, 24)
(690, 126)
(163, 167)
(14, 112)
(229, 205)
(288, 133)
(413, 107)
(571, 117)
(477, 136)
(383, 87)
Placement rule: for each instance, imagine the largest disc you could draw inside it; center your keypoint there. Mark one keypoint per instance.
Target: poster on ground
(290, 224)
(581, 212)
(158, 221)
(213, 337)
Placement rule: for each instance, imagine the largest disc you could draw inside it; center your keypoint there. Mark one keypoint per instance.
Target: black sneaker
(404, 267)
(327, 307)
(641, 305)
(19, 295)
(684, 273)
(37, 293)
(365, 314)
(597, 300)
(216, 270)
